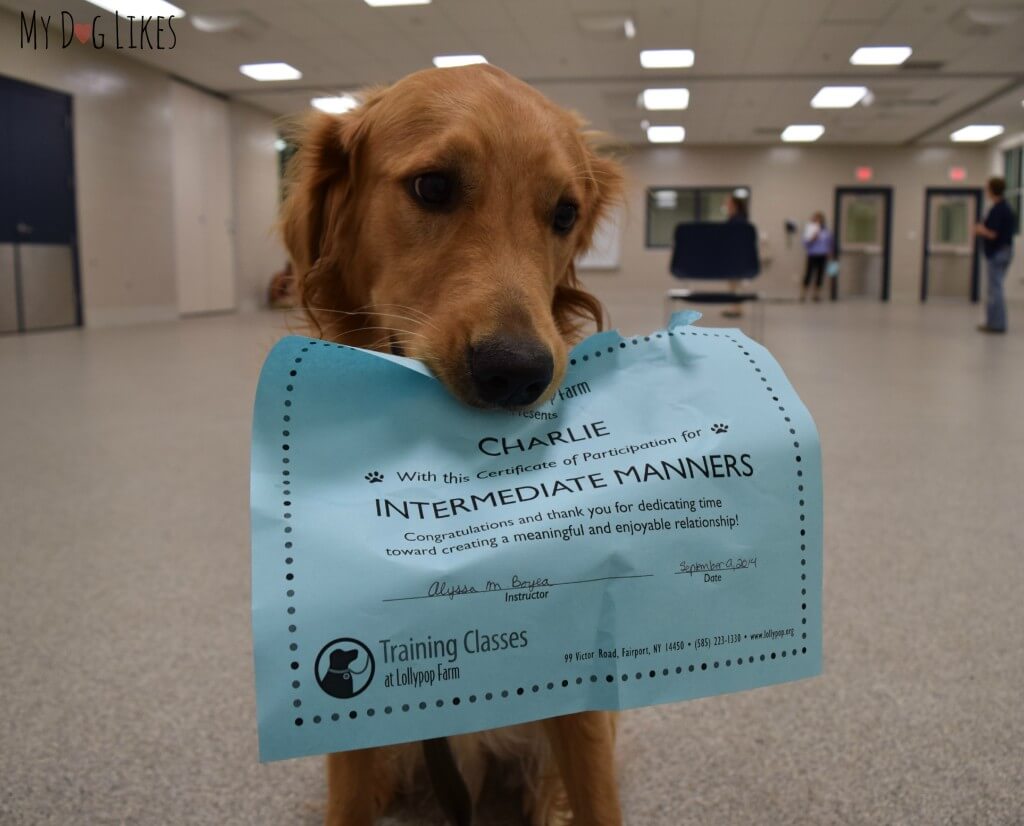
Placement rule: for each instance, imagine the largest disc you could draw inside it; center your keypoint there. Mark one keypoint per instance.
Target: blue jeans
(995, 305)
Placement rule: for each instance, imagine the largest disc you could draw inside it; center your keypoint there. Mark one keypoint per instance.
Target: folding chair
(717, 251)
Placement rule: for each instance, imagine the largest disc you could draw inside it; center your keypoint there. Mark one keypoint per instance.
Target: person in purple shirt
(818, 243)
(997, 233)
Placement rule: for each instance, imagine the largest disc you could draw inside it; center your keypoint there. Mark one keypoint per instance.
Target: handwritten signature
(441, 588)
(740, 564)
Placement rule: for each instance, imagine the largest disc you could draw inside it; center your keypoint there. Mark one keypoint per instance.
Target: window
(711, 204)
(667, 207)
(951, 219)
(1014, 174)
(862, 222)
(286, 150)
(953, 223)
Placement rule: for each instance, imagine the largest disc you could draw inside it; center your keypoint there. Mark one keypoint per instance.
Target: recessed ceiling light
(376, 3)
(666, 134)
(666, 58)
(665, 198)
(665, 98)
(610, 26)
(993, 16)
(336, 104)
(802, 132)
(838, 97)
(880, 55)
(270, 71)
(448, 61)
(222, 22)
(140, 8)
(977, 132)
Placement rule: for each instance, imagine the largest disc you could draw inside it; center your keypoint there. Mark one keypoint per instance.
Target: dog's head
(440, 220)
(342, 659)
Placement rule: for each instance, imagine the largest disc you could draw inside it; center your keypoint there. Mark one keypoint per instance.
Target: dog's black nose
(510, 372)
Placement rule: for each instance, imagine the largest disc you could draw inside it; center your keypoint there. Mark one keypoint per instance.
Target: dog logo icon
(344, 668)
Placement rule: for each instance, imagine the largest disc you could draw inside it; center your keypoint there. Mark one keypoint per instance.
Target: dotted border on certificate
(568, 682)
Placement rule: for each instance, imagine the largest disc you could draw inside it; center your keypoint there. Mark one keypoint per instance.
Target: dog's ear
(574, 307)
(320, 163)
(316, 216)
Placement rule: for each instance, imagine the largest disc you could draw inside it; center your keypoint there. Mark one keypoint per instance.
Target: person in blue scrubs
(997, 237)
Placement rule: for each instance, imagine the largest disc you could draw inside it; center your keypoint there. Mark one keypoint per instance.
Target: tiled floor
(125, 676)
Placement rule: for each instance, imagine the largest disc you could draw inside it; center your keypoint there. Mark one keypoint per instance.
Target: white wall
(258, 249)
(124, 178)
(785, 182)
(203, 203)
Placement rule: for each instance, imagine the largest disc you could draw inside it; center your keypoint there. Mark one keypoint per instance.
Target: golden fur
(373, 268)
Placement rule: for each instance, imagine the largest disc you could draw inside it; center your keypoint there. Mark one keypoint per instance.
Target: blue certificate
(421, 568)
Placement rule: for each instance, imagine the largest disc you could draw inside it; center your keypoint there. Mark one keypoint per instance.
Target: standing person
(736, 213)
(818, 243)
(736, 210)
(997, 235)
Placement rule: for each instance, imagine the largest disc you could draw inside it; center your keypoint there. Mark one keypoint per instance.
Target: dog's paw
(374, 476)
(719, 428)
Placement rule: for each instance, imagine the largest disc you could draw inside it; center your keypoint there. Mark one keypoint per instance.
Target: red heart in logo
(83, 31)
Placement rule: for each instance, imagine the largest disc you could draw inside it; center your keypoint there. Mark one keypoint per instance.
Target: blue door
(38, 244)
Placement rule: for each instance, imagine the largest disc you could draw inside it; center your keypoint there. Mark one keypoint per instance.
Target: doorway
(39, 285)
(863, 242)
(949, 258)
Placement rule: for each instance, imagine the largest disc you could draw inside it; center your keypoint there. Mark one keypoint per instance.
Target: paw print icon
(374, 476)
(719, 428)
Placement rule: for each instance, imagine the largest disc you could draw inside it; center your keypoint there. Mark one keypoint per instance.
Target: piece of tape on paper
(422, 568)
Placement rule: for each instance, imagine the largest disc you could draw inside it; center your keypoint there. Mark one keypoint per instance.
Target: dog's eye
(434, 189)
(564, 217)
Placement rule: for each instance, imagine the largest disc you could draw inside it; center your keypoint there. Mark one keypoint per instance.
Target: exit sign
(957, 173)
(865, 173)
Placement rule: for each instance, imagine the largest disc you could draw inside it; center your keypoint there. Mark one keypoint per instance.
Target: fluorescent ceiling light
(838, 97)
(140, 8)
(221, 22)
(335, 105)
(665, 98)
(802, 132)
(666, 198)
(666, 134)
(270, 71)
(977, 132)
(376, 3)
(447, 61)
(880, 55)
(666, 58)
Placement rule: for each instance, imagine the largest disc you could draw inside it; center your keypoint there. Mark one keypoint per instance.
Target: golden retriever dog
(440, 220)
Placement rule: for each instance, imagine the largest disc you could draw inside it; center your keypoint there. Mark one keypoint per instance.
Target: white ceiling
(758, 62)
